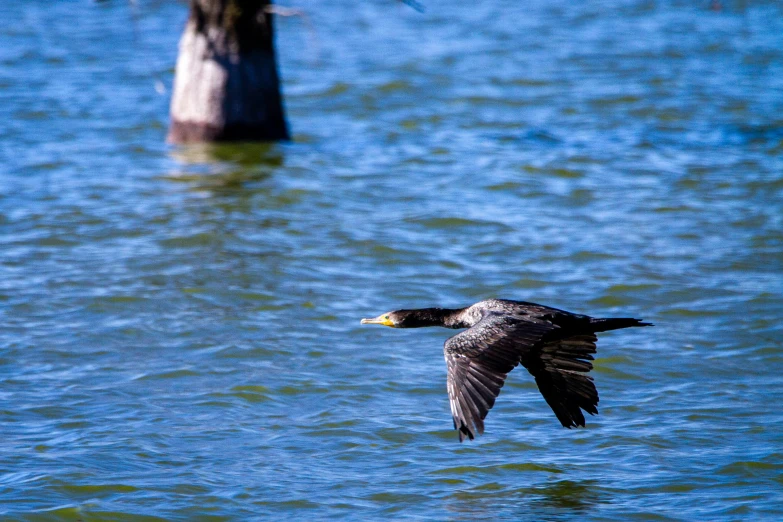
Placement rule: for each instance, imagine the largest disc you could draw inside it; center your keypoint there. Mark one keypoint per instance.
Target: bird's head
(393, 319)
(411, 318)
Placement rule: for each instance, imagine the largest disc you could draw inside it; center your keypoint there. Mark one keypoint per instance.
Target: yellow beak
(381, 319)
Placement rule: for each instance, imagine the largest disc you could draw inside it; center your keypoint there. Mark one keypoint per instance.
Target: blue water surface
(179, 326)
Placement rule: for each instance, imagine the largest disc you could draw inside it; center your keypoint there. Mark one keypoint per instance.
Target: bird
(555, 346)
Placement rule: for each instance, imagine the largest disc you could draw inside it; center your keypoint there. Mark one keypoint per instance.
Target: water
(180, 326)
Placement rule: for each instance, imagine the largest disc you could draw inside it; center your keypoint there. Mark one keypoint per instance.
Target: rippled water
(180, 326)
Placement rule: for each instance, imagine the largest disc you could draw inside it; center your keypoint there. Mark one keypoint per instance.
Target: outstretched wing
(560, 369)
(478, 361)
(480, 358)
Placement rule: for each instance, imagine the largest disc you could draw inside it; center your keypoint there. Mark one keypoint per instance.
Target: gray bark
(226, 86)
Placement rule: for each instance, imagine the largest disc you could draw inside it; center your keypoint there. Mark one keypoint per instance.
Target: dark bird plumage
(555, 346)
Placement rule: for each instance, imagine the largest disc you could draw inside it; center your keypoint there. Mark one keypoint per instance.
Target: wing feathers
(469, 406)
(560, 375)
(480, 358)
(487, 395)
(477, 397)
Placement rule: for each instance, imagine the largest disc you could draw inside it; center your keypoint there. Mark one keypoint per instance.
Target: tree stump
(226, 86)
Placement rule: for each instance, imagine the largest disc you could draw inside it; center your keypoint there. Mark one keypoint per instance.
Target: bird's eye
(386, 317)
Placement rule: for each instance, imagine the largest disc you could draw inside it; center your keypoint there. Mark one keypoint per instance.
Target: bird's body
(555, 346)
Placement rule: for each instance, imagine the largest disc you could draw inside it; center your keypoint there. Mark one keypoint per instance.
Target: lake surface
(179, 327)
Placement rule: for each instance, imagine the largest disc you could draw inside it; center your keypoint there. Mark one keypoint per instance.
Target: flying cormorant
(555, 346)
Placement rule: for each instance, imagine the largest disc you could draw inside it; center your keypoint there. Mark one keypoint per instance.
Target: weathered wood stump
(226, 86)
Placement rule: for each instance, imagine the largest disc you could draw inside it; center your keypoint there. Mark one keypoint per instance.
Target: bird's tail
(615, 323)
